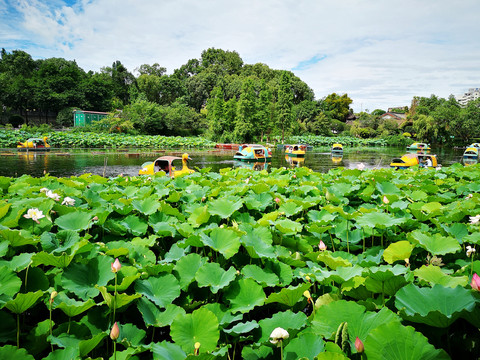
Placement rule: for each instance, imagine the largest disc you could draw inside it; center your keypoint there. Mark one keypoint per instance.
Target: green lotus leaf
(152, 316)
(257, 352)
(18, 238)
(264, 277)
(76, 221)
(23, 302)
(162, 290)
(125, 277)
(10, 283)
(60, 261)
(13, 353)
(83, 345)
(258, 242)
(418, 195)
(71, 307)
(386, 272)
(167, 351)
(457, 230)
(115, 227)
(242, 328)
(186, 268)
(288, 296)
(212, 275)
(323, 217)
(305, 345)
(290, 208)
(223, 314)
(200, 326)
(268, 218)
(473, 238)
(434, 275)
(389, 287)
(432, 208)
(284, 319)
(288, 227)
(81, 279)
(378, 220)
(327, 355)
(392, 340)
(398, 251)
(146, 206)
(64, 354)
(387, 188)
(258, 201)
(8, 328)
(332, 262)
(225, 241)
(436, 244)
(283, 271)
(224, 207)
(344, 273)
(437, 306)
(164, 228)
(131, 336)
(60, 242)
(135, 225)
(121, 299)
(244, 295)
(199, 216)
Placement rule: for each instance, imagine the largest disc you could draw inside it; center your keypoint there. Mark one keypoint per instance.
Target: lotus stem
(18, 331)
(115, 299)
(331, 239)
(114, 350)
(281, 349)
(51, 326)
(348, 245)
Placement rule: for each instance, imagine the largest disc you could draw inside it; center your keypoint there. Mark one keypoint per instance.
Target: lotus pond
(112, 162)
(242, 264)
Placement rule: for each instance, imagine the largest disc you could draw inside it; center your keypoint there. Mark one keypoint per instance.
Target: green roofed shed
(84, 118)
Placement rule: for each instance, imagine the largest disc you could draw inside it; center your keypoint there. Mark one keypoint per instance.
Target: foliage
(211, 264)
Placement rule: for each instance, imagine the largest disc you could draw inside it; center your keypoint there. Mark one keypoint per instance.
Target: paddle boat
(253, 152)
(168, 165)
(408, 160)
(467, 161)
(418, 146)
(475, 145)
(34, 144)
(471, 152)
(337, 148)
(296, 150)
(295, 161)
(337, 158)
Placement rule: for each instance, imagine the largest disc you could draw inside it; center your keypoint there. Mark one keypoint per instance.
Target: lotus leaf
(83, 345)
(288, 296)
(285, 319)
(18, 238)
(153, 316)
(473, 238)
(13, 353)
(200, 326)
(332, 262)
(60, 261)
(288, 227)
(165, 229)
(167, 351)
(119, 301)
(437, 306)
(135, 225)
(398, 251)
(283, 271)
(10, 283)
(327, 355)
(392, 340)
(256, 353)
(290, 208)
(199, 216)
(387, 188)
(257, 241)
(244, 295)
(305, 345)
(81, 279)
(264, 277)
(60, 242)
(186, 268)
(75, 221)
(225, 241)
(242, 328)
(162, 290)
(71, 307)
(224, 207)
(64, 354)
(146, 206)
(434, 275)
(131, 336)
(212, 275)
(324, 217)
(435, 244)
(379, 220)
(344, 273)
(268, 218)
(23, 302)
(223, 314)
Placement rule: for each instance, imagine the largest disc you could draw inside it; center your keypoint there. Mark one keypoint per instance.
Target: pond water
(64, 162)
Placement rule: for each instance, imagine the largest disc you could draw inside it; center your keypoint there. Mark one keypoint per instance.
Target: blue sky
(381, 53)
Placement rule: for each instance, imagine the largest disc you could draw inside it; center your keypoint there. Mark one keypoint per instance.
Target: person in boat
(428, 163)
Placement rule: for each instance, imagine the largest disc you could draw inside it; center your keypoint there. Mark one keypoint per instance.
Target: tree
(215, 114)
(154, 69)
(336, 107)
(284, 104)
(122, 79)
(246, 113)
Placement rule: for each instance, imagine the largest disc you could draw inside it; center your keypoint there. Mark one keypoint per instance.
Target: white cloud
(381, 53)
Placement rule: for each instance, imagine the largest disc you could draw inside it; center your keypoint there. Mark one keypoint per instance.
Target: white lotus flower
(42, 190)
(361, 166)
(470, 250)
(474, 219)
(68, 201)
(34, 214)
(278, 334)
(52, 195)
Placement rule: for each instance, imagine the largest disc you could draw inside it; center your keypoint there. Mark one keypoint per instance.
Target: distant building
(83, 118)
(399, 118)
(470, 95)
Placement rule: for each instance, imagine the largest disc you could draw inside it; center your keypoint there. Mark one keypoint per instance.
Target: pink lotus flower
(322, 246)
(475, 284)
(277, 200)
(115, 332)
(385, 200)
(359, 345)
(116, 266)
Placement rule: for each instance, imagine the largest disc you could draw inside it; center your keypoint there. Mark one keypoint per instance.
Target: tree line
(216, 95)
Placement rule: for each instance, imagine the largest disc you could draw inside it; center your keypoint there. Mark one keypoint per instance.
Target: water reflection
(469, 161)
(258, 166)
(114, 162)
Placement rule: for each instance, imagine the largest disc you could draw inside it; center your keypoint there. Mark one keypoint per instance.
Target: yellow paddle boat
(168, 165)
(295, 150)
(295, 161)
(337, 148)
(408, 160)
(471, 152)
(34, 144)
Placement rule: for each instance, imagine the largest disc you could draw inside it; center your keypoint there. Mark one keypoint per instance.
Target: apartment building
(470, 95)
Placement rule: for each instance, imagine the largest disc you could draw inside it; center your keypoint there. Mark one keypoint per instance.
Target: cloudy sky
(380, 52)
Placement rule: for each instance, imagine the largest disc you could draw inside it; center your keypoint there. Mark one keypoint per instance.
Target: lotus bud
(278, 334)
(115, 332)
(53, 295)
(475, 284)
(359, 345)
(294, 176)
(407, 262)
(204, 198)
(385, 200)
(277, 200)
(197, 348)
(116, 266)
(322, 246)
(306, 293)
(469, 196)
(307, 278)
(95, 218)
